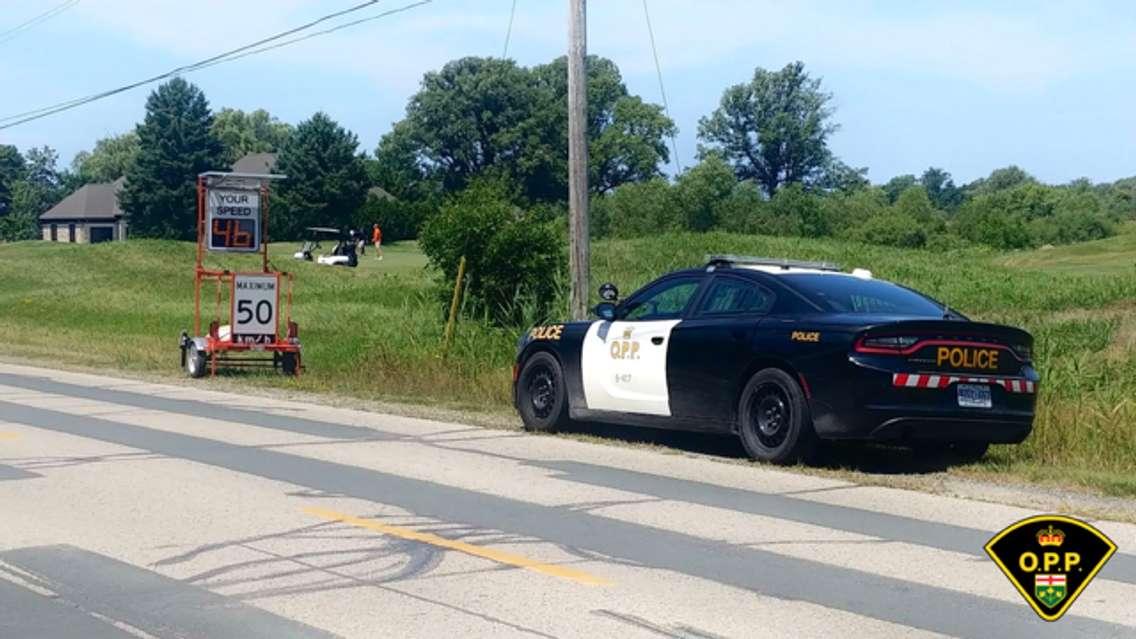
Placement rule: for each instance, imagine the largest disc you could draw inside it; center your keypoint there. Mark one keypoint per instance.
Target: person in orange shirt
(377, 240)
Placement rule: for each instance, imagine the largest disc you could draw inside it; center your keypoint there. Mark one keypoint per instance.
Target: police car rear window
(847, 294)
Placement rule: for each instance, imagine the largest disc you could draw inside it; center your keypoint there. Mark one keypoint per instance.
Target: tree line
(492, 135)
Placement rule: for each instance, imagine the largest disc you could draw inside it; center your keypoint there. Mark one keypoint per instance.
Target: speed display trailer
(232, 217)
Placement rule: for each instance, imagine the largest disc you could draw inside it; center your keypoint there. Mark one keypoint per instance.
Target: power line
(43, 17)
(309, 36)
(662, 89)
(509, 31)
(228, 56)
(62, 106)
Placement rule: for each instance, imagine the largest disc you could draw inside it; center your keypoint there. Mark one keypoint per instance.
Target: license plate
(974, 396)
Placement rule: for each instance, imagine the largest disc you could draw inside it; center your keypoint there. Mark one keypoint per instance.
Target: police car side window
(665, 300)
(730, 295)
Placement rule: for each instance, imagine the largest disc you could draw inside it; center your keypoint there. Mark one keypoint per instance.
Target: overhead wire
(55, 108)
(31, 22)
(509, 30)
(228, 56)
(662, 88)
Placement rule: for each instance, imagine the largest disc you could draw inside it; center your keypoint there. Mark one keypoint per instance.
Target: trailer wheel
(194, 362)
(289, 363)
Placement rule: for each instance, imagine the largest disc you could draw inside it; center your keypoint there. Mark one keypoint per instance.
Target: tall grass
(375, 332)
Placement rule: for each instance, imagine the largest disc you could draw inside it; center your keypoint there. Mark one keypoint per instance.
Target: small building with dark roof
(90, 214)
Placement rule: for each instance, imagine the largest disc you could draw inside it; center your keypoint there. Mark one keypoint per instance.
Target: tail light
(890, 344)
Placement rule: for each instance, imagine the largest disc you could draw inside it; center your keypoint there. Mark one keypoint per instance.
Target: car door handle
(656, 340)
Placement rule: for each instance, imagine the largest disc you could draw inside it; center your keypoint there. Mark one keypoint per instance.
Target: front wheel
(773, 418)
(542, 397)
(194, 362)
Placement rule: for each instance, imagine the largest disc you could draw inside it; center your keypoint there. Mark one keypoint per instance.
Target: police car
(783, 353)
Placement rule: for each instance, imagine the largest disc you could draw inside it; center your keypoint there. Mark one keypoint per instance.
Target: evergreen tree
(11, 170)
(327, 180)
(174, 145)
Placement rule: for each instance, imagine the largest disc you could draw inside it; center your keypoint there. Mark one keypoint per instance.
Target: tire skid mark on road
(484, 552)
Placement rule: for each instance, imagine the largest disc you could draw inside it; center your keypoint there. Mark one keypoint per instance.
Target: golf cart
(342, 254)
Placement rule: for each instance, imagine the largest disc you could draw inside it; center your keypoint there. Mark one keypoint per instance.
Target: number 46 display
(255, 298)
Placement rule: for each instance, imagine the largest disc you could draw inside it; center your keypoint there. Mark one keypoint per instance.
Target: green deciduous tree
(626, 136)
(243, 132)
(914, 203)
(944, 194)
(1000, 180)
(773, 129)
(898, 184)
(327, 180)
(491, 117)
(109, 160)
(175, 144)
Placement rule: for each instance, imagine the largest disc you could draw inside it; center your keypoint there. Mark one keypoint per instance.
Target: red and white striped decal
(924, 380)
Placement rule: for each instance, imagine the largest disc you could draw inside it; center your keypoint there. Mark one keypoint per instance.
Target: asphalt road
(130, 509)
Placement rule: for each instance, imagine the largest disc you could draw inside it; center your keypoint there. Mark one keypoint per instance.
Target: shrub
(944, 241)
(513, 260)
(747, 211)
(982, 223)
(635, 210)
(892, 229)
(847, 212)
(794, 205)
(699, 191)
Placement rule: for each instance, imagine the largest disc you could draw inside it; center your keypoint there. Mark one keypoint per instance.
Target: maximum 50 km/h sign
(255, 300)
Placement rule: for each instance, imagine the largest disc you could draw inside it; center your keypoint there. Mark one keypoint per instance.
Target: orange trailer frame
(216, 346)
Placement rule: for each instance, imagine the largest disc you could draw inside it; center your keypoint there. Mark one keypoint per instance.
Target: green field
(375, 332)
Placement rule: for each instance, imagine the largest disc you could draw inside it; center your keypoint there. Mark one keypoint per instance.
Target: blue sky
(968, 86)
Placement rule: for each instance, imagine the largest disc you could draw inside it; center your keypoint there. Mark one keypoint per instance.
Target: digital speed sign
(233, 221)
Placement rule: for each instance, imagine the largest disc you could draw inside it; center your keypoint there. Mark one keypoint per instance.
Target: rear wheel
(542, 397)
(289, 363)
(194, 362)
(773, 418)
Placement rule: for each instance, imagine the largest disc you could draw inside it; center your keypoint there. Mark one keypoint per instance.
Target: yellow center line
(9, 436)
(491, 554)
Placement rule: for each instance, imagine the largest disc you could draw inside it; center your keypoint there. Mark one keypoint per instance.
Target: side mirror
(608, 292)
(605, 311)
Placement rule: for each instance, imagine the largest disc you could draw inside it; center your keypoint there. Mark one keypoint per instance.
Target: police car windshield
(848, 294)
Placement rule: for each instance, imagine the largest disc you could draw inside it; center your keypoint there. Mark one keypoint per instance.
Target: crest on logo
(1050, 559)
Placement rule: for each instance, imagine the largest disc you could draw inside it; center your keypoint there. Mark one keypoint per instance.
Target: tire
(542, 397)
(194, 362)
(774, 423)
(289, 363)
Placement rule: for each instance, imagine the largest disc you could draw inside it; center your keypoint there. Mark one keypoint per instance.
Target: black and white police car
(783, 353)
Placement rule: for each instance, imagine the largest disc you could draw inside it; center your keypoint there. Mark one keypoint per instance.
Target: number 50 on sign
(255, 298)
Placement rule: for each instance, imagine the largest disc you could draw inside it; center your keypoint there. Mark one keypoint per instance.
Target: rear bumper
(879, 405)
(999, 430)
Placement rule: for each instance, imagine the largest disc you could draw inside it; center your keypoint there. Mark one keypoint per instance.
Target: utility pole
(578, 157)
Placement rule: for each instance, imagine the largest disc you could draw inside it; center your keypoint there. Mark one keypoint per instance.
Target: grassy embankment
(375, 332)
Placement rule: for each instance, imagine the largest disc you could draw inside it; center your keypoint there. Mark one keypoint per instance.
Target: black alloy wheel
(542, 399)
